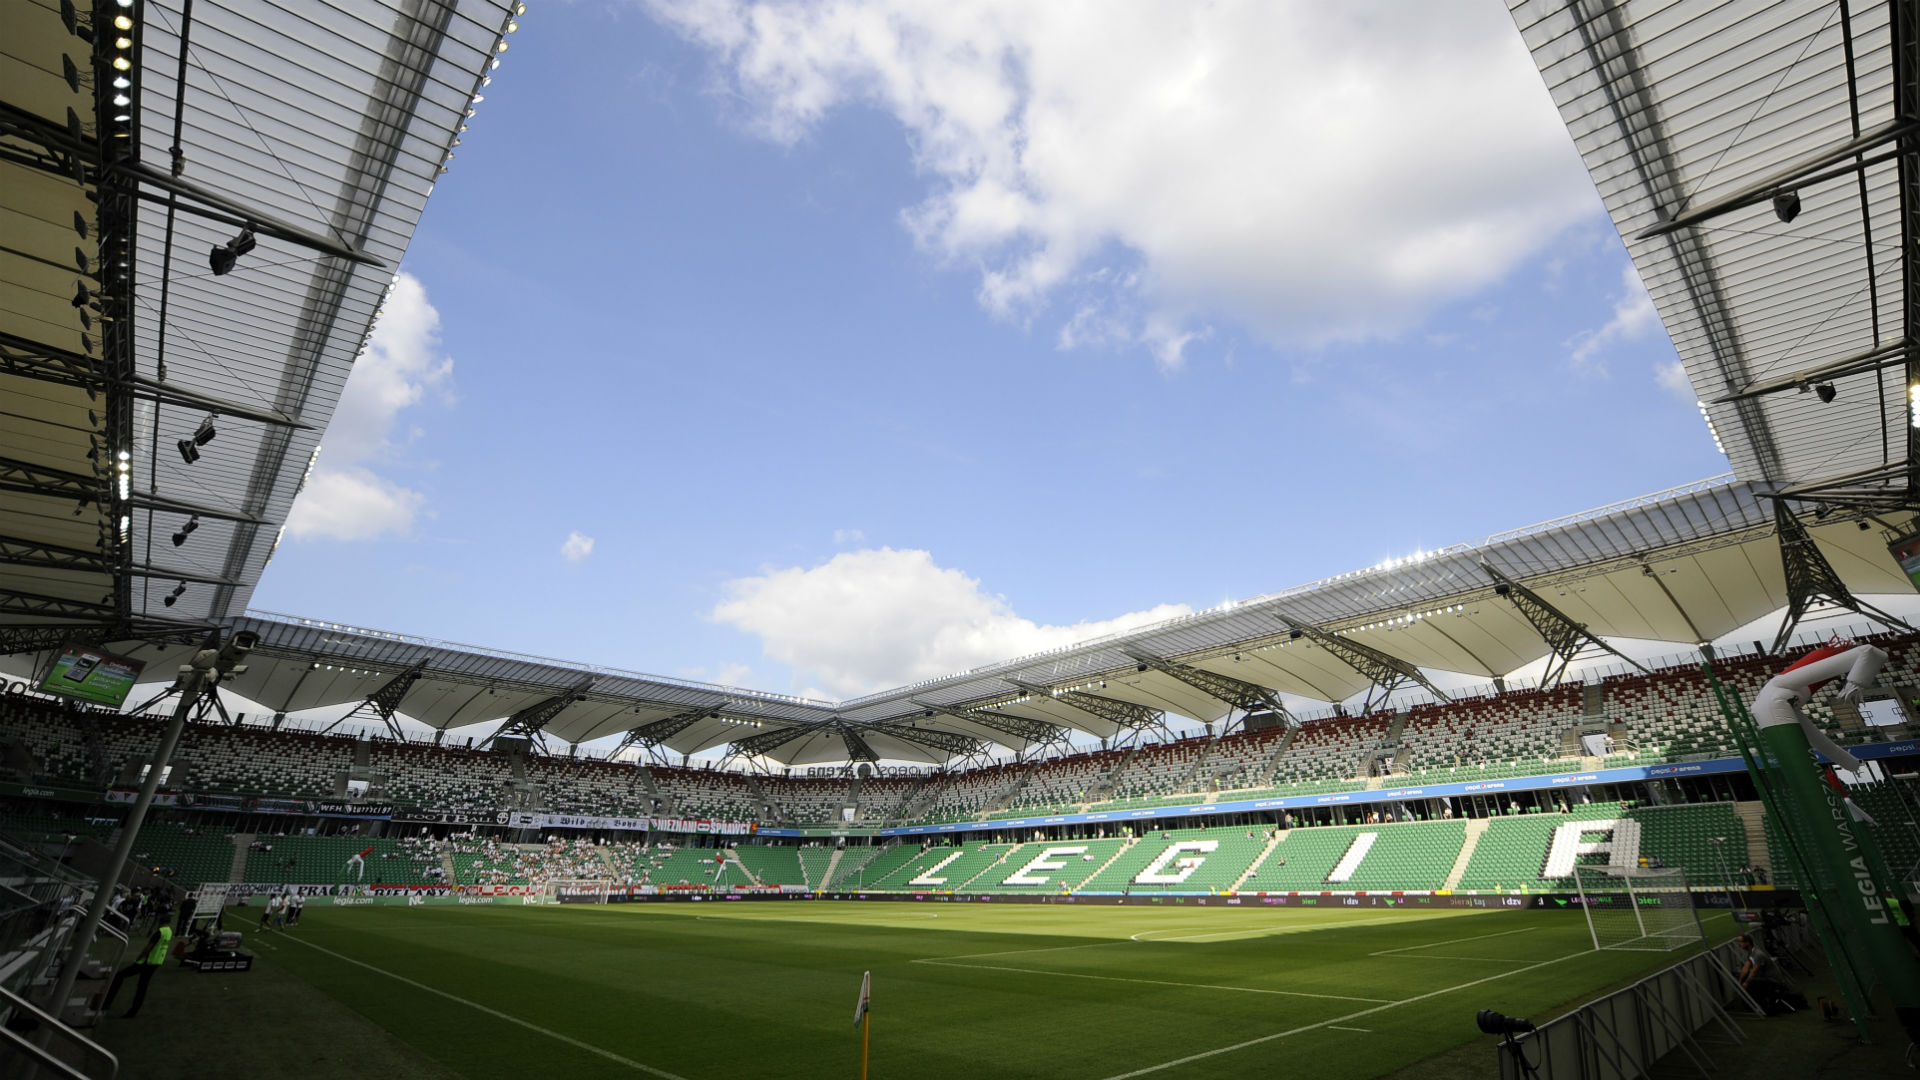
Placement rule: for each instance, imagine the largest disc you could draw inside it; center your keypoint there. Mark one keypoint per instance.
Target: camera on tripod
(1494, 1023)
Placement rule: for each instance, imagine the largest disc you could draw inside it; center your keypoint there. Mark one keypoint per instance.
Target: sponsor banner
(93, 675)
(703, 825)
(49, 791)
(131, 795)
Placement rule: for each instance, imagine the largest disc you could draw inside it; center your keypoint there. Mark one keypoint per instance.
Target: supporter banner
(702, 825)
(449, 817)
(587, 821)
(525, 820)
(347, 809)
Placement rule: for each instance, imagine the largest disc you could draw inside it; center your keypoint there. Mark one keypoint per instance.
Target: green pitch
(708, 991)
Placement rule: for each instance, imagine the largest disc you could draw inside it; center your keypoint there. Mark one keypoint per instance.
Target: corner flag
(863, 1019)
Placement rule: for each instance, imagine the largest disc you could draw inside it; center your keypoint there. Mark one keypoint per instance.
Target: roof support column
(1811, 578)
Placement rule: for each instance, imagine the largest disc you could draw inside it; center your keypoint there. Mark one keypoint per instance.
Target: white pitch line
(1337, 1027)
(496, 1013)
(1205, 1054)
(1021, 952)
(1153, 982)
(1450, 941)
(1271, 929)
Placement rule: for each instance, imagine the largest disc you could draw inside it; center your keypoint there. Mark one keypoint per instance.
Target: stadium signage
(882, 771)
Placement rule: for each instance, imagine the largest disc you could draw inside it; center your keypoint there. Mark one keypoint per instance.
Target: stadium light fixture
(186, 530)
(1826, 392)
(1786, 206)
(202, 435)
(222, 258)
(178, 590)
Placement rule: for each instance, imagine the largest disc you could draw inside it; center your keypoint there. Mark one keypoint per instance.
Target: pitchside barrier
(1685, 1008)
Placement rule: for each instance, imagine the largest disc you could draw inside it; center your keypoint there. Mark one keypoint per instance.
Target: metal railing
(11, 1002)
(1622, 1035)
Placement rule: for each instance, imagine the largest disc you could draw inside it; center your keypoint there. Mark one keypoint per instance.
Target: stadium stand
(311, 860)
(772, 864)
(1075, 868)
(191, 856)
(1234, 851)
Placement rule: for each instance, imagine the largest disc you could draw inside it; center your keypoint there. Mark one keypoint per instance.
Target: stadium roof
(1754, 158)
(133, 145)
(1693, 118)
(1691, 564)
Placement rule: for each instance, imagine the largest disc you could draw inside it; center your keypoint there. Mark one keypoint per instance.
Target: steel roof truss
(1565, 638)
(1386, 672)
(1811, 578)
(1238, 693)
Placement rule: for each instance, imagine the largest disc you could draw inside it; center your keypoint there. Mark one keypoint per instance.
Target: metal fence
(1683, 1009)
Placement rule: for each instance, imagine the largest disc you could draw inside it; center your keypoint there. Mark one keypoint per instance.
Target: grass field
(700, 992)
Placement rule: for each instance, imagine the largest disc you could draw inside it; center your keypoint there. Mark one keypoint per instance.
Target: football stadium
(1632, 791)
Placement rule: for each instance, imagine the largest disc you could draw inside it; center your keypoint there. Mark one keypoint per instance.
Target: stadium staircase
(242, 843)
(653, 789)
(1476, 828)
(761, 798)
(1117, 852)
(833, 863)
(1280, 747)
(96, 750)
(1005, 799)
(1105, 787)
(1752, 814)
(446, 864)
(987, 869)
(850, 861)
(1254, 867)
(1187, 779)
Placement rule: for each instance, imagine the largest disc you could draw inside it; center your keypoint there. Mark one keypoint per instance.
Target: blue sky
(851, 379)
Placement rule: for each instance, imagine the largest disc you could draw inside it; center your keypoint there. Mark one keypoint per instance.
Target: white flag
(866, 997)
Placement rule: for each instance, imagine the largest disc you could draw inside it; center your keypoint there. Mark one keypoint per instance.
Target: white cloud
(1672, 378)
(576, 547)
(1320, 172)
(866, 620)
(1633, 318)
(343, 498)
(848, 536)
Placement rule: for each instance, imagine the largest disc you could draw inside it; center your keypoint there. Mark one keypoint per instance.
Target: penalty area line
(1155, 982)
(1450, 941)
(1217, 1051)
(497, 1014)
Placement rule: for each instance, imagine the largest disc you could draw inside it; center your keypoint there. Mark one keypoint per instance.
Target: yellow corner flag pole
(863, 1015)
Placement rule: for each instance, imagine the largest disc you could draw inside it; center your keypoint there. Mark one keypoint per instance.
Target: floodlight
(1826, 392)
(178, 591)
(80, 294)
(202, 435)
(222, 258)
(186, 530)
(1786, 206)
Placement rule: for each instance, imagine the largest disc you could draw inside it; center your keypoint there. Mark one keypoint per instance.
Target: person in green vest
(149, 961)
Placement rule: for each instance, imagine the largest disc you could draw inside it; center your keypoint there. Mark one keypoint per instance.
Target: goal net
(575, 891)
(1636, 909)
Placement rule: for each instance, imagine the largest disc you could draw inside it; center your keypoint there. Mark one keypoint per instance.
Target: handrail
(113, 1062)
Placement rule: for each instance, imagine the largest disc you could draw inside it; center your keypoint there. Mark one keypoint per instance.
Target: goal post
(575, 891)
(1644, 910)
